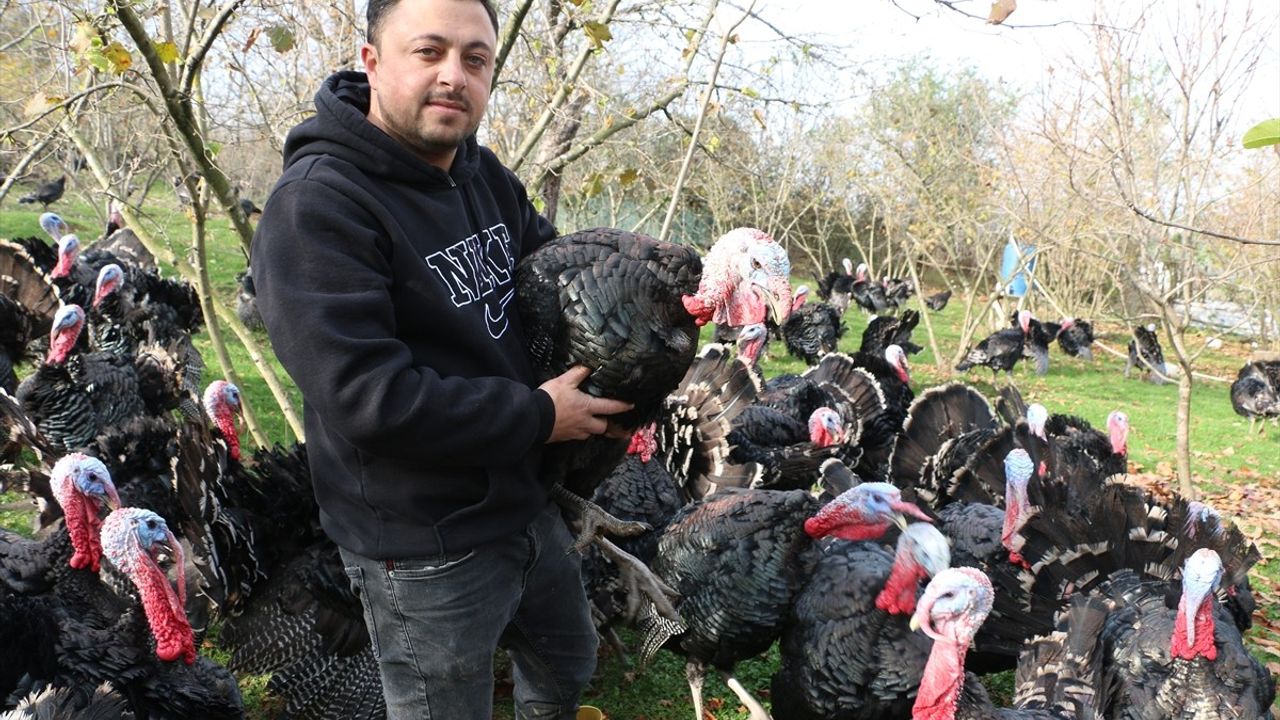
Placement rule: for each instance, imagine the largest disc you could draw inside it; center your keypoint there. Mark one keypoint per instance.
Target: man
(383, 264)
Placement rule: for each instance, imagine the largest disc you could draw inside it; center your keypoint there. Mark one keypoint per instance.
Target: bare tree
(1156, 149)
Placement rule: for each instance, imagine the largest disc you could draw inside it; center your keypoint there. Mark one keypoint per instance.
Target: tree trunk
(1184, 434)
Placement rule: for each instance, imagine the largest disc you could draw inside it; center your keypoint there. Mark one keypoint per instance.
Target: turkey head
(132, 539)
(82, 486)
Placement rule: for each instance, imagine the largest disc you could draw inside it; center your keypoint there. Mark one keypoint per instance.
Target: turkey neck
(941, 682)
(1204, 645)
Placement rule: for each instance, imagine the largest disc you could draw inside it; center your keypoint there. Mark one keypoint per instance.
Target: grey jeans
(436, 622)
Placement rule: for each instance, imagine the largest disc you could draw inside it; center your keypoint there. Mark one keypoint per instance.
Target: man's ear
(369, 58)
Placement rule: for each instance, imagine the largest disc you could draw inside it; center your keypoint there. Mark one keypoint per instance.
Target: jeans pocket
(356, 577)
(423, 569)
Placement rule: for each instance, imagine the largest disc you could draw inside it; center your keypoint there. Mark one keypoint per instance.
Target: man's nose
(452, 72)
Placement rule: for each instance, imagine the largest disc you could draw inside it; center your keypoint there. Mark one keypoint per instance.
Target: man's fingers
(605, 406)
(576, 374)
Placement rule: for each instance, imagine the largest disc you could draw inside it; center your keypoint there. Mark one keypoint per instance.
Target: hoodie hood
(340, 128)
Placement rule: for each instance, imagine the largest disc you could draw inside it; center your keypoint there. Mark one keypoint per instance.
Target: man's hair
(379, 8)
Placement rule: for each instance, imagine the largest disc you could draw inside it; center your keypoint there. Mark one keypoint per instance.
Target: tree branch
(567, 85)
(1151, 218)
(191, 68)
(510, 34)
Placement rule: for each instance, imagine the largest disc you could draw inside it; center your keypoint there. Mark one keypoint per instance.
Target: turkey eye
(151, 524)
(755, 265)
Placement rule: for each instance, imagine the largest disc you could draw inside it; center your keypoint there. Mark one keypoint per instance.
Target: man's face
(430, 73)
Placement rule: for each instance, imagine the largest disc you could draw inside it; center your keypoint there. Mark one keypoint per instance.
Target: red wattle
(899, 594)
(836, 525)
(83, 526)
(169, 624)
(1204, 646)
(227, 426)
(700, 309)
(1016, 558)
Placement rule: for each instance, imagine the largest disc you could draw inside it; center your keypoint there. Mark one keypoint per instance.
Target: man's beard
(434, 138)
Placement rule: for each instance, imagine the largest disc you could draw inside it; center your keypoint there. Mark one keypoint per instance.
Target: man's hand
(579, 415)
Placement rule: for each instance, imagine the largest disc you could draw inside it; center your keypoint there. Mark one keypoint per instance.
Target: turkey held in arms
(628, 307)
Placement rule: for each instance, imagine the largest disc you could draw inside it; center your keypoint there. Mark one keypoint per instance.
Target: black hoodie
(385, 285)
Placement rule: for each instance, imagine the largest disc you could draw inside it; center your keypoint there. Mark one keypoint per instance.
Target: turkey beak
(906, 508)
(900, 521)
(777, 297)
(113, 498)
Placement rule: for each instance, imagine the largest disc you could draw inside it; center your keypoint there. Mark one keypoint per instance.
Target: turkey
(692, 435)
(837, 287)
(79, 628)
(1188, 663)
(132, 307)
(1075, 338)
(788, 452)
(46, 193)
(1255, 394)
(273, 577)
(1038, 338)
(937, 301)
(738, 558)
(1146, 355)
(868, 293)
(898, 290)
(885, 330)
(953, 607)
(846, 651)
(628, 307)
(65, 703)
(1001, 350)
(73, 397)
(812, 330)
(28, 302)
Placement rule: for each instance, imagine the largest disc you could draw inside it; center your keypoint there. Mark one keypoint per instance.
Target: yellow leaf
(118, 56)
(1001, 10)
(598, 32)
(628, 176)
(167, 51)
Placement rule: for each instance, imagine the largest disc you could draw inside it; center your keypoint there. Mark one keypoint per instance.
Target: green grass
(1226, 458)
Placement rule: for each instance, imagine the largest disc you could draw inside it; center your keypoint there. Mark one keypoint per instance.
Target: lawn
(1237, 471)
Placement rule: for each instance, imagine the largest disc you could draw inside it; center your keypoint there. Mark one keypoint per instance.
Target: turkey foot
(638, 580)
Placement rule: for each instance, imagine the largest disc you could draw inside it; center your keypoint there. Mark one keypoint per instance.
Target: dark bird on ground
(846, 651)
(46, 193)
(813, 330)
(1075, 338)
(885, 330)
(1188, 663)
(869, 294)
(1001, 350)
(937, 301)
(898, 290)
(1145, 355)
(738, 558)
(836, 289)
(1255, 394)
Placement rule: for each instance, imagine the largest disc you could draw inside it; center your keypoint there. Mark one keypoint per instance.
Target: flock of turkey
(894, 545)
